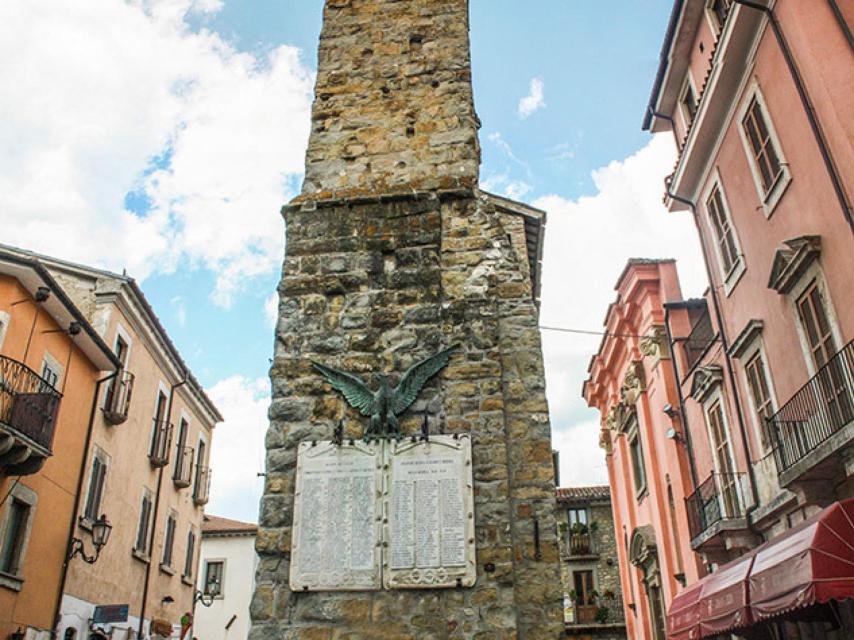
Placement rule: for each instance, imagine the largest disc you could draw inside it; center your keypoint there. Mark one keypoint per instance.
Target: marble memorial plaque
(429, 513)
(337, 526)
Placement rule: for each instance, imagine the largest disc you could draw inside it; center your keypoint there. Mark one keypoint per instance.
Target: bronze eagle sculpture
(386, 403)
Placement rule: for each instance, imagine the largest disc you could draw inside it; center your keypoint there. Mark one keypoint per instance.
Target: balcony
(716, 512)
(161, 443)
(580, 543)
(28, 410)
(201, 492)
(816, 423)
(182, 477)
(118, 398)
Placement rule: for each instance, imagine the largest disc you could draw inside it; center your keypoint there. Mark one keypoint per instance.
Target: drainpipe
(843, 23)
(78, 495)
(151, 560)
(815, 125)
(682, 415)
(754, 492)
(656, 114)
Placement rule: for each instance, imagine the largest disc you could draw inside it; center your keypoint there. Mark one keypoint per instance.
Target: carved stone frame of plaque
(429, 485)
(331, 550)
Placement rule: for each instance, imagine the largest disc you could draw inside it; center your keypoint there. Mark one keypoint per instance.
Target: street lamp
(207, 596)
(101, 530)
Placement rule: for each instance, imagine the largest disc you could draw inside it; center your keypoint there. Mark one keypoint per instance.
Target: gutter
(151, 559)
(77, 497)
(754, 492)
(662, 62)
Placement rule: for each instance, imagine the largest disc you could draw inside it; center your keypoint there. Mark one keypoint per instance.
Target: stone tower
(392, 254)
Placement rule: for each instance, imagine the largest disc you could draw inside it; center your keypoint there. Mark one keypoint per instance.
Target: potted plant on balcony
(602, 614)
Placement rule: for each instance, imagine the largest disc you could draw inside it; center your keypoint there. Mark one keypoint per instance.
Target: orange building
(146, 468)
(51, 366)
(759, 98)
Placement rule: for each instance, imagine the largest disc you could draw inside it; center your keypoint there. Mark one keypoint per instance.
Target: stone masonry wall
(393, 105)
(393, 254)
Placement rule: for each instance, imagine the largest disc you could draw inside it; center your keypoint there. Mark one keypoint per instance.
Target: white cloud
(238, 446)
(106, 97)
(588, 242)
(271, 309)
(534, 101)
(503, 185)
(180, 309)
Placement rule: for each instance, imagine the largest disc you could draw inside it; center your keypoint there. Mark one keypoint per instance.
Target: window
(727, 479)
(816, 323)
(159, 419)
(688, 102)
(51, 372)
(188, 558)
(213, 577)
(180, 462)
(762, 147)
(97, 478)
(760, 394)
(765, 154)
(638, 470)
(14, 536)
(724, 234)
(169, 540)
(141, 544)
(577, 517)
(121, 351)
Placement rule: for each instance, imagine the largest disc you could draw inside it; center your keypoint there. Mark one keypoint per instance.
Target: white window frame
(24, 494)
(757, 348)
(54, 364)
(717, 396)
(105, 460)
(164, 389)
(145, 553)
(170, 567)
(123, 333)
(204, 577)
(770, 200)
(814, 272)
(728, 279)
(688, 82)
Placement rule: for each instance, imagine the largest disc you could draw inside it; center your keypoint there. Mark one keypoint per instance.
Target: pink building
(632, 383)
(759, 101)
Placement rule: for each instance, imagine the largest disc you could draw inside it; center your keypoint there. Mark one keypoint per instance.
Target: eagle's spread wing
(415, 378)
(354, 390)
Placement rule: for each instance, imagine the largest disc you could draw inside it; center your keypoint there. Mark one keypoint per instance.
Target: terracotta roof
(598, 492)
(214, 525)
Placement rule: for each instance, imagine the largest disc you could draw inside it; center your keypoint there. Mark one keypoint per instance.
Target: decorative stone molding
(654, 343)
(605, 442)
(634, 383)
(746, 337)
(619, 417)
(706, 380)
(792, 260)
(642, 549)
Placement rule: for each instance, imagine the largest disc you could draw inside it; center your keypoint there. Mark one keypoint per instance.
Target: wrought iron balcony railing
(702, 335)
(28, 403)
(161, 443)
(202, 489)
(182, 476)
(119, 393)
(580, 544)
(719, 498)
(819, 409)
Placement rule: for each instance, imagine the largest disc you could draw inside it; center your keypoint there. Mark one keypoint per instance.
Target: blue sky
(162, 136)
